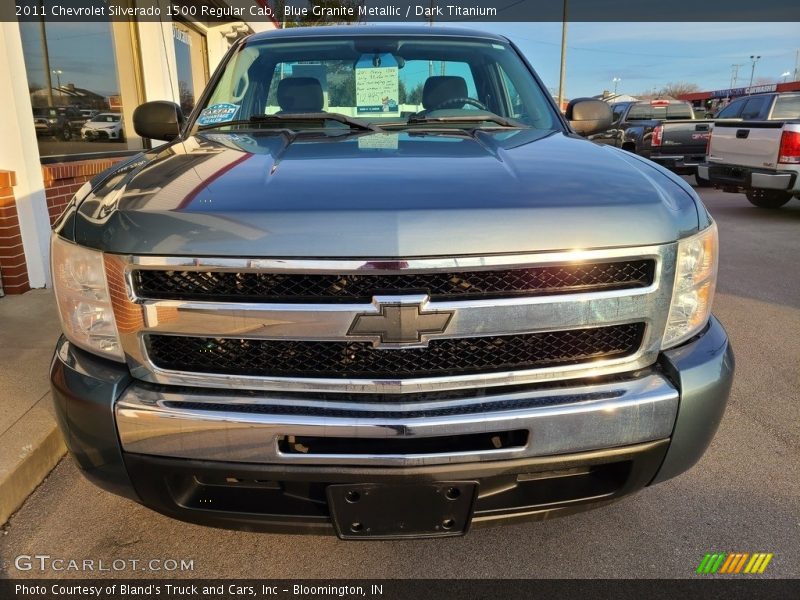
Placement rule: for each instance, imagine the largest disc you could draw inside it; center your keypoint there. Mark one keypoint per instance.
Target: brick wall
(13, 268)
(62, 180)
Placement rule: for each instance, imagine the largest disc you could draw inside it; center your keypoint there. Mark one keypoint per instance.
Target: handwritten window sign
(377, 86)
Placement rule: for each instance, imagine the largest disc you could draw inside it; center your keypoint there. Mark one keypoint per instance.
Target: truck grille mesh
(310, 287)
(361, 360)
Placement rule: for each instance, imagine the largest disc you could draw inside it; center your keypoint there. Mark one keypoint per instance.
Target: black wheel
(701, 181)
(66, 133)
(768, 198)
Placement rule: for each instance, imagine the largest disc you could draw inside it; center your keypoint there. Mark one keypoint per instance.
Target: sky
(642, 55)
(83, 52)
(648, 55)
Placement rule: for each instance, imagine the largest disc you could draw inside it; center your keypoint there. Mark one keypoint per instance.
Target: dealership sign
(744, 91)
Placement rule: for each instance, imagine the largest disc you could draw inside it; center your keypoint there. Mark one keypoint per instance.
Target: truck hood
(382, 195)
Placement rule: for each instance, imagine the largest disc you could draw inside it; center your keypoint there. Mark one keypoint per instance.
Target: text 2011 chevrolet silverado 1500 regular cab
(760, 157)
(377, 285)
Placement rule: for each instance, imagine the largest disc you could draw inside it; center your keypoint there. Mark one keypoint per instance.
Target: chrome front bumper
(562, 420)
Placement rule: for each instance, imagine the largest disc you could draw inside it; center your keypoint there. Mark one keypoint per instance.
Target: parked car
(380, 326)
(104, 126)
(762, 158)
(57, 121)
(88, 113)
(773, 106)
(665, 131)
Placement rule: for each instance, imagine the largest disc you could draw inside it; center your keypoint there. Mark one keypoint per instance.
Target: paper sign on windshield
(377, 86)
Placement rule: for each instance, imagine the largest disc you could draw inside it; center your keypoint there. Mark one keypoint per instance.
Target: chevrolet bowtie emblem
(402, 323)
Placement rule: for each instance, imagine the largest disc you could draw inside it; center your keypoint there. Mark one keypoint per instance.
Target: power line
(584, 49)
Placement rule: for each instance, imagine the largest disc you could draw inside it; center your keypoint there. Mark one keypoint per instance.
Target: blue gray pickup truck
(377, 285)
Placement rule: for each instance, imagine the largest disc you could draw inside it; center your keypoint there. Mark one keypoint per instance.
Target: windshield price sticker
(217, 113)
(377, 85)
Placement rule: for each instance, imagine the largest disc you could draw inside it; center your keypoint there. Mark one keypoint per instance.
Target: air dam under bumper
(605, 441)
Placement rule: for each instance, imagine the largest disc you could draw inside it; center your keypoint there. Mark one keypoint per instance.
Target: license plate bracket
(391, 511)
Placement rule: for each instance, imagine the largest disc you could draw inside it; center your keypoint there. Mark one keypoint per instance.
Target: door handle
(742, 133)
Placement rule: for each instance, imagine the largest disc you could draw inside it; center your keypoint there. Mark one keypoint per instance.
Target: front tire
(66, 134)
(768, 198)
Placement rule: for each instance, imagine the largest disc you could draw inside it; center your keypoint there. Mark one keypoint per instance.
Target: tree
(764, 81)
(341, 85)
(675, 89)
(412, 96)
(186, 97)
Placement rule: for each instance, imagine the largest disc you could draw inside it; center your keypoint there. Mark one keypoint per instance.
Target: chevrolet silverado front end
(384, 320)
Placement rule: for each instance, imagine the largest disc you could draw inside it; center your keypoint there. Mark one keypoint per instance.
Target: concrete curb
(28, 452)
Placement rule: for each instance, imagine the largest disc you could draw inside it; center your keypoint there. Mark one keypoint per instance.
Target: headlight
(84, 304)
(695, 280)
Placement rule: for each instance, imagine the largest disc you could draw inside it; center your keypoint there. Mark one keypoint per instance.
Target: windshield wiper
(502, 121)
(283, 118)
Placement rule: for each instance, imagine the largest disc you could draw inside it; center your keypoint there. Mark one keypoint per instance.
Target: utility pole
(562, 77)
(753, 59)
(48, 81)
(735, 74)
(797, 65)
(616, 81)
(430, 62)
(58, 73)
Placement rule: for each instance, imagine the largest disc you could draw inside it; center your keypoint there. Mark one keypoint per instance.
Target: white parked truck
(760, 157)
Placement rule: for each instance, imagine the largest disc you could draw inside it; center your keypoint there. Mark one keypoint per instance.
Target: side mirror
(158, 120)
(588, 116)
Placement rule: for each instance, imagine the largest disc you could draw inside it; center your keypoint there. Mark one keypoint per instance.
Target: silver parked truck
(377, 285)
(761, 158)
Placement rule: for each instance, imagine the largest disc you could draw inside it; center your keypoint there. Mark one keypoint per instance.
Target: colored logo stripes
(734, 563)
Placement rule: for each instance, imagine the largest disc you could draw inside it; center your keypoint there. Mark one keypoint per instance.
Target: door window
(752, 108)
(732, 111)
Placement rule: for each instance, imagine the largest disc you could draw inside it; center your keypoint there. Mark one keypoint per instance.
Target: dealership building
(68, 92)
(713, 99)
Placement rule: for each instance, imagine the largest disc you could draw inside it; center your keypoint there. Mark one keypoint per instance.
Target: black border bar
(467, 12)
(742, 587)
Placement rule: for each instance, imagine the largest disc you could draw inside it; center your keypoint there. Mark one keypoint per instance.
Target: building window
(191, 63)
(82, 84)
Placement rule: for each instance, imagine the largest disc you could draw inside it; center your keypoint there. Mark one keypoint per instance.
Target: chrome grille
(361, 359)
(361, 287)
(493, 338)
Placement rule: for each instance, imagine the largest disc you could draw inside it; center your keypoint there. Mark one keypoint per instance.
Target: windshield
(383, 81)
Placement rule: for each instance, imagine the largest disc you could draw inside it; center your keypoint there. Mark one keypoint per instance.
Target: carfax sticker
(217, 113)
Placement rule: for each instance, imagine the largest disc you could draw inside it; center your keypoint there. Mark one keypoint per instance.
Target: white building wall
(19, 153)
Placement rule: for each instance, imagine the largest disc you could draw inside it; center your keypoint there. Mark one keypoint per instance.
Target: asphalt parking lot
(743, 496)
